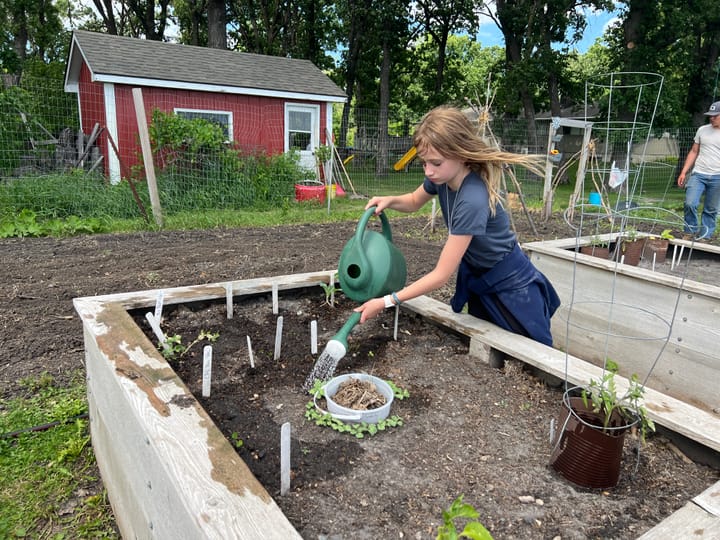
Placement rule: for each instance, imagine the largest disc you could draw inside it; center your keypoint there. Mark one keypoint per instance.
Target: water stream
(326, 363)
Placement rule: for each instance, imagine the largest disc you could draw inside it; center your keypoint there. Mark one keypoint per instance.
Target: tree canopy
(408, 56)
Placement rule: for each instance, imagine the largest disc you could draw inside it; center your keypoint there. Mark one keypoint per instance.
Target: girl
(494, 277)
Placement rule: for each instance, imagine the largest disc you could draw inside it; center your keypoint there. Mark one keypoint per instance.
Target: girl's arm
(447, 264)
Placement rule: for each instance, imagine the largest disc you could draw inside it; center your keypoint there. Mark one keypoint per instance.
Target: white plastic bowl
(372, 416)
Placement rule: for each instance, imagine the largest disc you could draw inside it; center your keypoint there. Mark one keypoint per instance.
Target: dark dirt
(468, 429)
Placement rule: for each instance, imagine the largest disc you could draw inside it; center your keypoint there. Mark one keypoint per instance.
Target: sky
(597, 23)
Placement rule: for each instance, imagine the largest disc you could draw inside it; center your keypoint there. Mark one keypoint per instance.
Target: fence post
(147, 155)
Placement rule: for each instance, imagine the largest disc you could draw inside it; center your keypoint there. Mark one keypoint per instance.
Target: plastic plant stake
(229, 299)
(159, 305)
(653, 264)
(275, 298)
(397, 316)
(155, 325)
(672, 264)
(278, 337)
(250, 353)
(207, 370)
(313, 337)
(285, 431)
(332, 289)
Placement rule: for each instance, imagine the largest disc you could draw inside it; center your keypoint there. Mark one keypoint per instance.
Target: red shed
(262, 102)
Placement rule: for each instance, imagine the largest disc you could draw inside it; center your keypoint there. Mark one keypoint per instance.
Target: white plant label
(155, 325)
(313, 337)
(397, 316)
(285, 432)
(159, 305)
(278, 337)
(250, 353)
(275, 303)
(229, 299)
(207, 370)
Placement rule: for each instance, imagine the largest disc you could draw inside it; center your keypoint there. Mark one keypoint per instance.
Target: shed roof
(144, 62)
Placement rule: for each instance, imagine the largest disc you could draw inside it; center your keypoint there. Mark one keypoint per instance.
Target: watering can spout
(340, 339)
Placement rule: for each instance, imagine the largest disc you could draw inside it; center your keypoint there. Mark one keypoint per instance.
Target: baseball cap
(714, 109)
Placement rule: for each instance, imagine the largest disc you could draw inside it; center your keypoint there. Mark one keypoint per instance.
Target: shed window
(300, 129)
(221, 118)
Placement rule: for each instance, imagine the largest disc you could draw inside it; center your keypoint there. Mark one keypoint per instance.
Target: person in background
(704, 160)
(495, 278)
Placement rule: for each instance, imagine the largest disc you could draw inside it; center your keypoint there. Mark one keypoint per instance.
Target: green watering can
(370, 264)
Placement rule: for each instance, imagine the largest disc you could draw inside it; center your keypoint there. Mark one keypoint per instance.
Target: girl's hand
(381, 202)
(370, 309)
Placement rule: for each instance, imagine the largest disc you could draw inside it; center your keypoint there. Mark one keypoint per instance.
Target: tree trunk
(217, 22)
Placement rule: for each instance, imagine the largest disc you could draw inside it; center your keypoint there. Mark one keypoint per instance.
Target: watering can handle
(362, 224)
(387, 233)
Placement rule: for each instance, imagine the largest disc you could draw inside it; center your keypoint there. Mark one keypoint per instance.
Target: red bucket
(307, 192)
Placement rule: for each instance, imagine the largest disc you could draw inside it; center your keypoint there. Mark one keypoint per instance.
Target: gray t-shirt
(467, 211)
(708, 158)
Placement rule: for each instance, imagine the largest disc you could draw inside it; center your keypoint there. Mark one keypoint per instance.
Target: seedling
(174, 348)
(330, 289)
(460, 510)
(236, 440)
(358, 430)
(597, 241)
(602, 394)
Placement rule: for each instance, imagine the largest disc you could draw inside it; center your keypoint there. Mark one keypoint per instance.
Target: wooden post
(147, 155)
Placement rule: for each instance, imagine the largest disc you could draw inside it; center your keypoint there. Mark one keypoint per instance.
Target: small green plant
(630, 234)
(597, 241)
(236, 440)
(665, 235)
(330, 289)
(460, 510)
(603, 396)
(173, 347)
(358, 430)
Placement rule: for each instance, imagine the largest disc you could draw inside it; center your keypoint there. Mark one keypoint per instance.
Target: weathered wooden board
(168, 470)
(699, 518)
(170, 473)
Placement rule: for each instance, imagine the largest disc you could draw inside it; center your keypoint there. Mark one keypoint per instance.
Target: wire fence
(56, 166)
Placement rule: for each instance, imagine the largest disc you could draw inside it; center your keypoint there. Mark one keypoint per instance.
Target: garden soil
(467, 428)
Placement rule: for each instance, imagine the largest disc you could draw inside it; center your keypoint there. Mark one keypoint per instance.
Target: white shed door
(302, 131)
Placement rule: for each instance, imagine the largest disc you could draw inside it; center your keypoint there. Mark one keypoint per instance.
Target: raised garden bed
(171, 472)
(662, 320)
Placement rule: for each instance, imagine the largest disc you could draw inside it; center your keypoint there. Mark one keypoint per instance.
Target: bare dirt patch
(469, 429)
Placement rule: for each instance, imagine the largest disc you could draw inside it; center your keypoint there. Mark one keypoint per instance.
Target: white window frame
(227, 114)
(307, 157)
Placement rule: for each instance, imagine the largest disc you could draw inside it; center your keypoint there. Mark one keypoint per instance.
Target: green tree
(31, 29)
(533, 35)
(439, 19)
(469, 69)
(675, 38)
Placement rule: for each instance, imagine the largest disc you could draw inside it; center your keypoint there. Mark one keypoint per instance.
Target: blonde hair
(448, 131)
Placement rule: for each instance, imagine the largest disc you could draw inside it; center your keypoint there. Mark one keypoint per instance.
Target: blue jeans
(696, 185)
